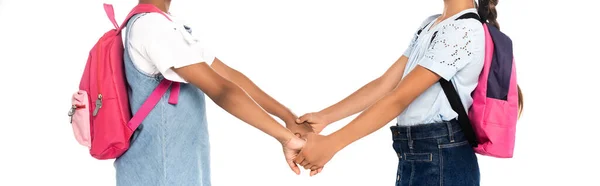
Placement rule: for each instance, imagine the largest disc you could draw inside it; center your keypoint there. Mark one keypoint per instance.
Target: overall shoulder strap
(454, 98)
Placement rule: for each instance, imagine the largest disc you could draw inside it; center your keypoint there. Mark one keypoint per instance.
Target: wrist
(288, 117)
(326, 116)
(285, 137)
(338, 141)
(289, 122)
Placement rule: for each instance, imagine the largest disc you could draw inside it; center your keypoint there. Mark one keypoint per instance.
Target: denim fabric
(434, 154)
(171, 146)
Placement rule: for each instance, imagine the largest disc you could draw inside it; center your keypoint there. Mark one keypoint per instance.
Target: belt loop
(410, 140)
(450, 132)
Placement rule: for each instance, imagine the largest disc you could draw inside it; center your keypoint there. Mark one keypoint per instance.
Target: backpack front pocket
(80, 118)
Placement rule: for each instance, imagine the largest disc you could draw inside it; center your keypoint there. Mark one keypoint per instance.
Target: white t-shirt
(456, 54)
(156, 45)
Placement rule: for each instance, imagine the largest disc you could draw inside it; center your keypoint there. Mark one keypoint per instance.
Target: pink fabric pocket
(80, 118)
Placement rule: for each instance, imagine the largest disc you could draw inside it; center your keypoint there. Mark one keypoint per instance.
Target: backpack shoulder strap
(454, 98)
(144, 8)
(421, 30)
(470, 15)
(153, 99)
(164, 85)
(458, 107)
(141, 8)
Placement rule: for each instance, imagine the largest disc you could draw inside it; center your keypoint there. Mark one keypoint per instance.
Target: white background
(307, 54)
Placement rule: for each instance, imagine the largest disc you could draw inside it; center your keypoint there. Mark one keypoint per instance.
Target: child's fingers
(294, 167)
(315, 172)
(305, 164)
(304, 118)
(299, 158)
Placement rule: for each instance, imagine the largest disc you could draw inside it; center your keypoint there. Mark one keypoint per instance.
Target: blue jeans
(434, 154)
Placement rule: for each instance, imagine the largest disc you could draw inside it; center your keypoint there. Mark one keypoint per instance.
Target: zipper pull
(72, 112)
(98, 105)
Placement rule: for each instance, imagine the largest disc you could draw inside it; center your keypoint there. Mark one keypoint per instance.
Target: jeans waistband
(426, 131)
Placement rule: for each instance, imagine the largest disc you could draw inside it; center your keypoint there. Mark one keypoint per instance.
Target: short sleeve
(453, 47)
(168, 45)
(411, 45)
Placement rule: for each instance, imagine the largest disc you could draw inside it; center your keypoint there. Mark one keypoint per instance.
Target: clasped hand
(315, 150)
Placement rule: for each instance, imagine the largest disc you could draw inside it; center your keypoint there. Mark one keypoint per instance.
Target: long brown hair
(487, 12)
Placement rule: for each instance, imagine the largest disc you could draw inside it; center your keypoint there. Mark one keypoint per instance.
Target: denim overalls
(171, 146)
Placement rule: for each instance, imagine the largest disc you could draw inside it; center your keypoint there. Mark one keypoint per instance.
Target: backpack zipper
(98, 80)
(73, 109)
(98, 104)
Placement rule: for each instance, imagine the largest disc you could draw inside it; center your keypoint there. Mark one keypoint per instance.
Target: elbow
(216, 90)
(399, 100)
(224, 93)
(377, 82)
(386, 84)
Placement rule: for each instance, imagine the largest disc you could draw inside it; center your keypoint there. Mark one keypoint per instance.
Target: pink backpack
(491, 123)
(100, 113)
